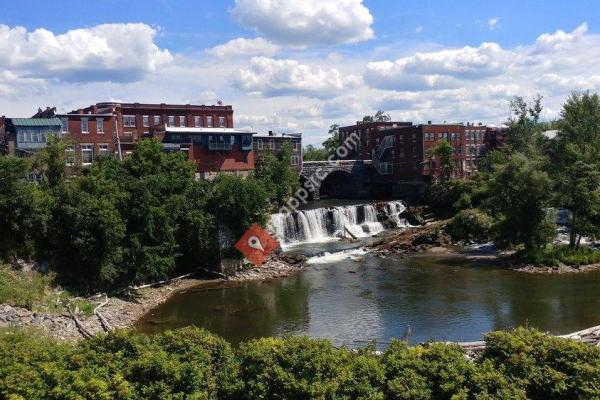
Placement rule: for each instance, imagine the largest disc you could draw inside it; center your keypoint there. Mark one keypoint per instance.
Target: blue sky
(300, 65)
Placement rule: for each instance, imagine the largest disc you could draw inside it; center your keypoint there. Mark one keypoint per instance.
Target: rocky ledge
(560, 269)
(122, 311)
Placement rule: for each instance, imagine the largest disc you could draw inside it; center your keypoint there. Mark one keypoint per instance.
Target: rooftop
(36, 121)
(175, 129)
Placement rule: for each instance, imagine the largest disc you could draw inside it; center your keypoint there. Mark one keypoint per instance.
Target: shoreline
(123, 311)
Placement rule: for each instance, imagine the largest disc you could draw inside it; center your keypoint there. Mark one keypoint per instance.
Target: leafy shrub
(471, 224)
(547, 367)
(554, 255)
(447, 197)
(301, 368)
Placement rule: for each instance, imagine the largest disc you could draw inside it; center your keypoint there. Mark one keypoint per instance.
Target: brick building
(401, 151)
(274, 143)
(112, 128)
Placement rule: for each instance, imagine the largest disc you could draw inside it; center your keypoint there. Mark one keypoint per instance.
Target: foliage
(555, 255)
(446, 198)
(520, 194)
(546, 367)
(24, 210)
(279, 178)
(443, 152)
(51, 161)
(312, 153)
(525, 129)
(191, 363)
(332, 143)
(470, 224)
(380, 116)
(21, 289)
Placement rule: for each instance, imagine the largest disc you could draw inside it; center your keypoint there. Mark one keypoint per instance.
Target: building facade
(25, 136)
(272, 142)
(368, 133)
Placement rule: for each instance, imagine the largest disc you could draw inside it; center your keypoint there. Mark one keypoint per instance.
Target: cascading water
(322, 224)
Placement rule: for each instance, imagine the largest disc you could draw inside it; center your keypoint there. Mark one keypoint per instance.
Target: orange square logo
(256, 244)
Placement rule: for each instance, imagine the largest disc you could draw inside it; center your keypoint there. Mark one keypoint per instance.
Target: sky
(300, 65)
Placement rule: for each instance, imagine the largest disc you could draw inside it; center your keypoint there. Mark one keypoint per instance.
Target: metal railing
(220, 146)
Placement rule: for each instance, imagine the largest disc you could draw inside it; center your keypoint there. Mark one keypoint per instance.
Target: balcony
(220, 146)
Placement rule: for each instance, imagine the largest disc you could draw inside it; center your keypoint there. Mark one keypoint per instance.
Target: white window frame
(197, 121)
(272, 144)
(101, 148)
(182, 121)
(100, 126)
(64, 125)
(171, 121)
(87, 125)
(91, 148)
(295, 160)
(129, 121)
(157, 119)
(221, 122)
(259, 144)
(146, 120)
(209, 121)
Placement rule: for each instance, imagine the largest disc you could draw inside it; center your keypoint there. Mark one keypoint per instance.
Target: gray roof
(36, 121)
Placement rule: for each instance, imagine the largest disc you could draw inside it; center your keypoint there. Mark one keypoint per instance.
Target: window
(272, 144)
(129, 120)
(259, 144)
(171, 120)
(295, 160)
(157, 120)
(64, 128)
(209, 121)
(197, 121)
(100, 125)
(296, 146)
(103, 150)
(221, 122)
(84, 125)
(146, 120)
(87, 154)
(182, 120)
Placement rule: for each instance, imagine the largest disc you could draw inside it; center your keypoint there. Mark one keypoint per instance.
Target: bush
(471, 224)
(193, 364)
(563, 254)
(447, 197)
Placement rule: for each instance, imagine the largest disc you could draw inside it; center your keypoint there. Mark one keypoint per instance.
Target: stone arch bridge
(337, 178)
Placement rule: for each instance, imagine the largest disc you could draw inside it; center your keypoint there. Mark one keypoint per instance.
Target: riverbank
(432, 239)
(123, 310)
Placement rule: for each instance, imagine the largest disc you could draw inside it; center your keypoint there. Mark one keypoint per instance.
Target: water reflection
(348, 301)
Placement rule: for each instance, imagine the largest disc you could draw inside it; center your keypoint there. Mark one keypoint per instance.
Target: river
(353, 297)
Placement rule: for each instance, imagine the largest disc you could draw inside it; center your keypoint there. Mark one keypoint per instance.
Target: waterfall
(322, 224)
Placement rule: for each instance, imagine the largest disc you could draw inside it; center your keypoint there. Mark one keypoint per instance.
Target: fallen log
(82, 329)
(163, 282)
(105, 325)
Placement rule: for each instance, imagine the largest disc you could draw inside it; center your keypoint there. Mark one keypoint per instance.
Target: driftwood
(347, 231)
(105, 325)
(82, 329)
(589, 336)
(163, 282)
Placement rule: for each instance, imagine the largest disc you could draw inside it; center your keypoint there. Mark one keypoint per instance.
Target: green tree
(312, 153)
(525, 129)
(278, 176)
(380, 116)
(332, 143)
(51, 161)
(520, 194)
(24, 209)
(443, 153)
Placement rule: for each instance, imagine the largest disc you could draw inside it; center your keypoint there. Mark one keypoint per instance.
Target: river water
(353, 297)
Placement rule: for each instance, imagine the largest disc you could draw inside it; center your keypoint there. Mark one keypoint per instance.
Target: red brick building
(112, 128)
(274, 143)
(369, 134)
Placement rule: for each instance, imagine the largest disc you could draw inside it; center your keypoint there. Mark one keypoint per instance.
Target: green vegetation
(131, 221)
(470, 224)
(521, 185)
(312, 153)
(191, 363)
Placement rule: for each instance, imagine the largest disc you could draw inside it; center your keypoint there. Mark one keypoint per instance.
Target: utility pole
(117, 132)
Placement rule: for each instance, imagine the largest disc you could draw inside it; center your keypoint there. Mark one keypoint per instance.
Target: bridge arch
(345, 178)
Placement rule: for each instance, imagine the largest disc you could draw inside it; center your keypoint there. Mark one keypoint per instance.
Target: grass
(34, 291)
(563, 254)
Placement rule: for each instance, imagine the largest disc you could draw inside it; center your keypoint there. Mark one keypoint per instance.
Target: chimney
(271, 133)
(428, 122)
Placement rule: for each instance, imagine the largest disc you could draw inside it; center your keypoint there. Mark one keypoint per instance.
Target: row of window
(444, 135)
(129, 121)
(32, 136)
(87, 153)
(474, 135)
(270, 144)
(85, 125)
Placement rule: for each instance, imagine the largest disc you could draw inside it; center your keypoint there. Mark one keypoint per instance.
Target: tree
(333, 142)
(525, 130)
(520, 194)
(380, 116)
(24, 209)
(51, 161)
(278, 176)
(312, 153)
(443, 152)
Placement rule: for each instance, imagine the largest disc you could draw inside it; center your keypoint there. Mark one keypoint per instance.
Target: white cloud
(270, 77)
(110, 52)
(306, 22)
(418, 29)
(493, 23)
(559, 40)
(440, 69)
(244, 47)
